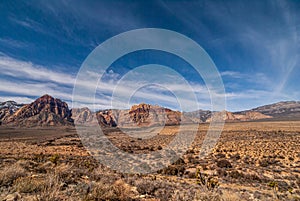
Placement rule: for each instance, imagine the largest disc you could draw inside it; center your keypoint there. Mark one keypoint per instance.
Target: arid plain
(258, 160)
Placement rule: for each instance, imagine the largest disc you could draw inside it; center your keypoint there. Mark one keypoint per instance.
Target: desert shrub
(224, 164)
(54, 159)
(147, 187)
(222, 172)
(159, 189)
(243, 177)
(68, 173)
(283, 186)
(103, 175)
(39, 158)
(264, 163)
(236, 174)
(267, 162)
(182, 195)
(28, 184)
(235, 157)
(101, 191)
(50, 189)
(175, 170)
(9, 174)
(208, 182)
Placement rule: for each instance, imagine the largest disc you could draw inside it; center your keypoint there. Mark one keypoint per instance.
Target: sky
(255, 45)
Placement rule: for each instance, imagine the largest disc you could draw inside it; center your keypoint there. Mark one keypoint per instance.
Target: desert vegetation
(252, 161)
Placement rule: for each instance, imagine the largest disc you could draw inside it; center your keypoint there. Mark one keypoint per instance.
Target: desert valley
(42, 157)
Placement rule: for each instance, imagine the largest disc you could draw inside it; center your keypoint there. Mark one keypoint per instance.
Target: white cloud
(30, 80)
(21, 69)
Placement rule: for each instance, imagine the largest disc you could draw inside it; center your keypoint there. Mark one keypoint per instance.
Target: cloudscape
(255, 47)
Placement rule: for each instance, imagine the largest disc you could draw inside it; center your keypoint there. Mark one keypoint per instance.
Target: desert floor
(251, 161)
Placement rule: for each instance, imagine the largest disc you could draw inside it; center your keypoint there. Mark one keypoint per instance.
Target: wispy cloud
(28, 70)
(29, 80)
(8, 42)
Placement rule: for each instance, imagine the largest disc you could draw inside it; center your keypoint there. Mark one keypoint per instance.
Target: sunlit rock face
(44, 111)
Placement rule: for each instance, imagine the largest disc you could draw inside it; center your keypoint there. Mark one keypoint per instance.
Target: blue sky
(255, 46)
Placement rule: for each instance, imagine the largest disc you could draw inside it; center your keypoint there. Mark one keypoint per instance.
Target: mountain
(206, 116)
(199, 115)
(8, 108)
(237, 116)
(10, 104)
(141, 115)
(49, 111)
(45, 111)
(283, 110)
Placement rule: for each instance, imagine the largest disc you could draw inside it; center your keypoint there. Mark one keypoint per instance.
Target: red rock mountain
(49, 111)
(142, 115)
(45, 111)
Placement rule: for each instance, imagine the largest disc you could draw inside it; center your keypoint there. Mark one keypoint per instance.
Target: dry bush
(9, 174)
(104, 175)
(224, 164)
(28, 184)
(102, 191)
(50, 190)
(181, 195)
(147, 187)
(175, 170)
(68, 173)
(208, 183)
(159, 189)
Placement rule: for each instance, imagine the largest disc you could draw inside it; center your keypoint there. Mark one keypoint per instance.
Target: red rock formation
(45, 111)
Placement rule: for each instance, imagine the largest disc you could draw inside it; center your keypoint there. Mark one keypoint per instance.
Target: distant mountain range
(49, 111)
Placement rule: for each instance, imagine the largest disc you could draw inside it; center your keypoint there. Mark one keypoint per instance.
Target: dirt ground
(251, 161)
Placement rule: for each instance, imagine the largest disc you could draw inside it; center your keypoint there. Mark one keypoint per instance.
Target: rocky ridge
(284, 109)
(49, 111)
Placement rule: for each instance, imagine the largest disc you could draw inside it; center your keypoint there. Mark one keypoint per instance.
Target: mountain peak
(46, 97)
(44, 111)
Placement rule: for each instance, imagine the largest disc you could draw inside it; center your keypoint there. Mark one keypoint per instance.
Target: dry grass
(10, 173)
(246, 159)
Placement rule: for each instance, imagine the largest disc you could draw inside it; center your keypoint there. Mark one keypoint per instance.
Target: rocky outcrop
(45, 111)
(83, 116)
(146, 115)
(198, 116)
(107, 118)
(284, 109)
(141, 115)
